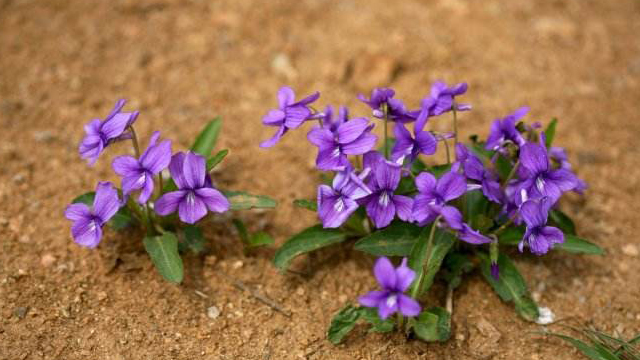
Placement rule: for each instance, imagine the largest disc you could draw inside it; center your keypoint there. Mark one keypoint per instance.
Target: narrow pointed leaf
(511, 235)
(550, 132)
(342, 323)
(306, 204)
(163, 250)
(457, 265)
(193, 239)
(240, 200)
(396, 239)
(216, 159)
(206, 141)
(575, 244)
(562, 221)
(310, 239)
(260, 238)
(511, 286)
(371, 316)
(585, 349)
(425, 260)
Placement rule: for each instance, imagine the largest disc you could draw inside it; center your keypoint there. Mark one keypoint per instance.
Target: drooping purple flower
(340, 139)
(382, 205)
(88, 221)
(138, 174)
(434, 195)
(394, 283)
(538, 179)
(539, 237)
(474, 169)
(495, 271)
(472, 236)
(337, 202)
(396, 109)
(439, 101)
(560, 156)
(408, 146)
(195, 194)
(289, 114)
(504, 131)
(101, 133)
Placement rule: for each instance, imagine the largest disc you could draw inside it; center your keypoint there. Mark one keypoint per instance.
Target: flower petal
(564, 179)
(132, 183)
(373, 298)
(426, 183)
(126, 166)
(147, 189)
(351, 130)
(295, 116)
(452, 216)
(472, 236)
(533, 157)
(157, 157)
(274, 117)
(408, 306)
(361, 145)
(385, 273)
(213, 199)
(387, 175)
(451, 186)
(194, 170)
(426, 142)
(533, 214)
(191, 208)
(286, 97)
(321, 137)
(404, 276)
(77, 211)
(86, 232)
(380, 209)
(115, 126)
(388, 306)
(422, 210)
(404, 207)
(175, 168)
(331, 159)
(274, 140)
(106, 202)
(309, 99)
(168, 203)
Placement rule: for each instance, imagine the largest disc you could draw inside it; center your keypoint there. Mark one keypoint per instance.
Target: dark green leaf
(418, 166)
(406, 186)
(342, 323)
(240, 200)
(310, 239)
(425, 260)
(511, 235)
(550, 132)
(457, 265)
(476, 209)
(242, 230)
(216, 159)
(378, 325)
(510, 286)
(206, 141)
(306, 204)
(585, 349)
(562, 221)
(433, 324)
(355, 224)
(86, 198)
(439, 170)
(577, 245)
(193, 239)
(260, 238)
(396, 239)
(503, 167)
(163, 250)
(478, 149)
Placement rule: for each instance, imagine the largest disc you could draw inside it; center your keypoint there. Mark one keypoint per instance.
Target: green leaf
(193, 240)
(439, 170)
(216, 159)
(430, 257)
(511, 235)
(503, 167)
(433, 324)
(261, 238)
(585, 349)
(120, 221)
(371, 316)
(510, 286)
(306, 204)
(563, 221)
(550, 132)
(206, 141)
(476, 209)
(396, 239)
(406, 186)
(163, 250)
(240, 200)
(310, 239)
(577, 245)
(388, 144)
(242, 230)
(355, 224)
(457, 265)
(342, 323)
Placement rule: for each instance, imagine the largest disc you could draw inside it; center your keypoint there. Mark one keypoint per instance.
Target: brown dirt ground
(181, 63)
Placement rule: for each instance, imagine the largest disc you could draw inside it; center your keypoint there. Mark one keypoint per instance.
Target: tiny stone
(19, 178)
(630, 250)
(546, 316)
(20, 312)
(210, 260)
(300, 291)
(102, 295)
(342, 298)
(43, 136)
(4, 221)
(47, 260)
(22, 272)
(24, 239)
(281, 64)
(237, 265)
(213, 312)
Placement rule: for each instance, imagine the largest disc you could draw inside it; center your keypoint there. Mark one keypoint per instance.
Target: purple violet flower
(337, 202)
(474, 169)
(395, 108)
(440, 101)
(382, 205)
(538, 179)
(504, 131)
(101, 133)
(423, 142)
(139, 173)
(539, 238)
(435, 194)
(88, 222)
(341, 138)
(394, 283)
(560, 156)
(194, 195)
(289, 115)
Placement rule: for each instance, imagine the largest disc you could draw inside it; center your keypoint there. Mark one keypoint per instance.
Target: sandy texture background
(181, 63)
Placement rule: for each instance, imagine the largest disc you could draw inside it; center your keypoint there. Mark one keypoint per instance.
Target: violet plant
(170, 208)
(489, 200)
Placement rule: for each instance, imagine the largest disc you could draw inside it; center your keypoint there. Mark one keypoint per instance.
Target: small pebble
(213, 312)
(630, 250)
(102, 295)
(237, 265)
(546, 316)
(20, 312)
(47, 260)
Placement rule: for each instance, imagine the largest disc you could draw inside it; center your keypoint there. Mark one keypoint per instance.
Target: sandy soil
(181, 63)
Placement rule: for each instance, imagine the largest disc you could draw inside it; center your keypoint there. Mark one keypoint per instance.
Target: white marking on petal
(140, 181)
(523, 195)
(392, 300)
(339, 205)
(384, 199)
(540, 183)
(191, 198)
(335, 152)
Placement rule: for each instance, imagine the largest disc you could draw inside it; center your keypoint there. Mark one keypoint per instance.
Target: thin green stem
(504, 226)
(160, 184)
(455, 124)
(415, 292)
(134, 139)
(446, 146)
(511, 174)
(400, 320)
(386, 131)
